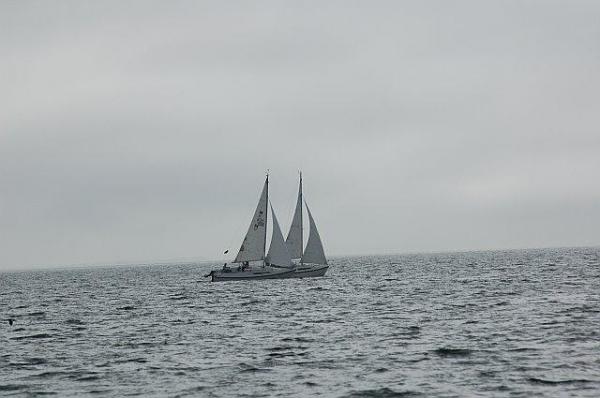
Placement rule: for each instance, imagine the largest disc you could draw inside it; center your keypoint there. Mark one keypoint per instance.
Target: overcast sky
(139, 130)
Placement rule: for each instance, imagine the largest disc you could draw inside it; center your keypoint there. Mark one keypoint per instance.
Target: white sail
(314, 253)
(278, 252)
(253, 246)
(294, 238)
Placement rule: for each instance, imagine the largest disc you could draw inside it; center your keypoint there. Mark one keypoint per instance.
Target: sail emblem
(259, 221)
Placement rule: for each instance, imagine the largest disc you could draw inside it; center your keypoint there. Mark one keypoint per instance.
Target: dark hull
(310, 272)
(218, 276)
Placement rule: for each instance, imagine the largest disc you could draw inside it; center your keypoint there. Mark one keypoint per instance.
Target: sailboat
(312, 261)
(251, 259)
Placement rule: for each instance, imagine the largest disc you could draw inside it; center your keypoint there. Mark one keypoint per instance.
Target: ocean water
(503, 323)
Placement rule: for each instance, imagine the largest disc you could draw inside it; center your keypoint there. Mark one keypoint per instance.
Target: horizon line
(203, 260)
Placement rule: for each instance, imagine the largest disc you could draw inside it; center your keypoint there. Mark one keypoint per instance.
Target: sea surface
(487, 324)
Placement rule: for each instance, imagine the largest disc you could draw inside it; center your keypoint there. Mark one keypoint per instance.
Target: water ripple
(503, 323)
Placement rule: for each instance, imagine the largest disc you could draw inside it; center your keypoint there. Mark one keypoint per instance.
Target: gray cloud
(142, 130)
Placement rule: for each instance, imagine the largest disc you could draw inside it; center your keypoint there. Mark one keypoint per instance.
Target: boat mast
(301, 223)
(266, 218)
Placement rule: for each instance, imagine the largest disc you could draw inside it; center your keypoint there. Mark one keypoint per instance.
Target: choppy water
(513, 323)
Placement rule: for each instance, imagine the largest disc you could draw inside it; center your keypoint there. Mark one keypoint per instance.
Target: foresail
(314, 253)
(278, 252)
(294, 238)
(253, 246)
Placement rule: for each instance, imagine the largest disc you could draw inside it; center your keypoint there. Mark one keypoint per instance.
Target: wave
(135, 360)
(245, 368)
(37, 313)
(11, 387)
(452, 352)
(382, 393)
(32, 336)
(34, 361)
(49, 374)
(282, 354)
(536, 380)
(522, 349)
(91, 377)
(286, 348)
(298, 339)
(252, 302)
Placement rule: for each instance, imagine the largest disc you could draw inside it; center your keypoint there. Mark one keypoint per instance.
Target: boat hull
(310, 272)
(220, 276)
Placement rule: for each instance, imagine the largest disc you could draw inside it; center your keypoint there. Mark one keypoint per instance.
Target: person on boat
(225, 269)
(245, 265)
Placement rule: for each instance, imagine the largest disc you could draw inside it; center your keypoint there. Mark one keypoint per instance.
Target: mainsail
(253, 246)
(294, 238)
(278, 252)
(314, 253)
